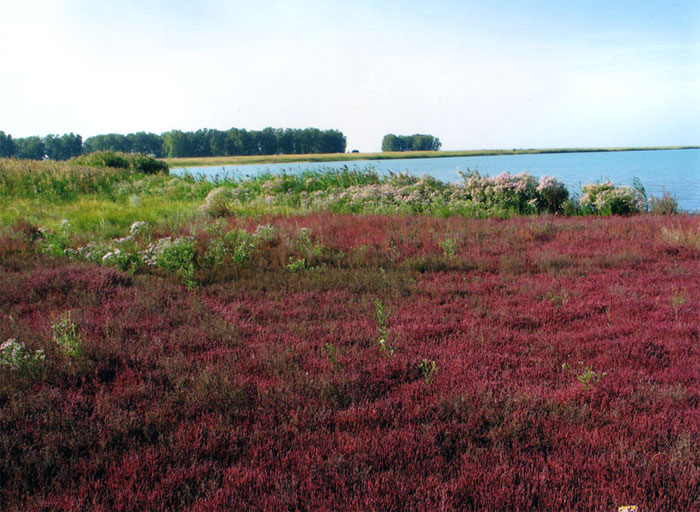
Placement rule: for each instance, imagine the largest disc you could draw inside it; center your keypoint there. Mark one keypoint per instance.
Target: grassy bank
(103, 202)
(335, 157)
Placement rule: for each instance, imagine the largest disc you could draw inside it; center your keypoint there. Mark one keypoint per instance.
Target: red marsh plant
(549, 364)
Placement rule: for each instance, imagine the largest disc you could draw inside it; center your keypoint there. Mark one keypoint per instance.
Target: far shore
(215, 161)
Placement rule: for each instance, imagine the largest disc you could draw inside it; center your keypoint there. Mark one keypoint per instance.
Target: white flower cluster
(522, 192)
(138, 227)
(93, 251)
(414, 194)
(14, 355)
(154, 251)
(505, 190)
(521, 183)
(111, 256)
(265, 232)
(111, 252)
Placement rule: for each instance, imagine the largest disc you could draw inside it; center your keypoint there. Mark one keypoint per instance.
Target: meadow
(343, 341)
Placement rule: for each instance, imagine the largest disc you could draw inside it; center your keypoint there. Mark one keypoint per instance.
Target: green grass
(102, 203)
(339, 157)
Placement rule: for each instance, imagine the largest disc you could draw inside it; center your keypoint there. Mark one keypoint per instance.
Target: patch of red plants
(566, 374)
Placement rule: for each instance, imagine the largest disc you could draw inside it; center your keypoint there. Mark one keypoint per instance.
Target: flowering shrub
(552, 194)
(607, 199)
(265, 233)
(343, 191)
(177, 256)
(241, 245)
(520, 193)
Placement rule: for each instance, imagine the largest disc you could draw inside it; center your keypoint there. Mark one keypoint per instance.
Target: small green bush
(218, 202)
(179, 256)
(66, 336)
(15, 356)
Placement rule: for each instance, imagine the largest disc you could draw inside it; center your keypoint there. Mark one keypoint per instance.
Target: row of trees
(140, 142)
(417, 142)
(37, 148)
(270, 141)
(176, 143)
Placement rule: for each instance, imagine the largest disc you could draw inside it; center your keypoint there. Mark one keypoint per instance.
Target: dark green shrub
(136, 162)
(147, 164)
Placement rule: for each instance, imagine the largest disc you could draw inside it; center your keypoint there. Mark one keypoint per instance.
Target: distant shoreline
(215, 161)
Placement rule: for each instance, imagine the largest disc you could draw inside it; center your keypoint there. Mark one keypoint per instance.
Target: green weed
(382, 326)
(588, 377)
(428, 369)
(66, 336)
(331, 351)
(449, 247)
(296, 265)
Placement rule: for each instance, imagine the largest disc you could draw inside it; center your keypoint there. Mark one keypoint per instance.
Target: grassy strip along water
(387, 155)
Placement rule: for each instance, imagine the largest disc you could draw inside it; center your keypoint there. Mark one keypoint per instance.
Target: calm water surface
(676, 171)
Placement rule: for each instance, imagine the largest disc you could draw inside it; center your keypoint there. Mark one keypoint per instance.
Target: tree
(267, 142)
(146, 143)
(332, 141)
(63, 147)
(389, 142)
(306, 140)
(239, 142)
(72, 145)
(108, 142)
(31, 148)
(286, 141)
(417, 142)
(8, 148)
(199, 142)
(425, 143)
(177, 144)
(219, 143)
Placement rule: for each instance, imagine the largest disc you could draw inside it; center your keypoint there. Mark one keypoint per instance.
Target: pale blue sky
(497, 74)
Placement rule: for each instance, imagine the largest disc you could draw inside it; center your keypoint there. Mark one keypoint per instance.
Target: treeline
(417, 142)
(236, 141)
(176, 143)
(37, 148)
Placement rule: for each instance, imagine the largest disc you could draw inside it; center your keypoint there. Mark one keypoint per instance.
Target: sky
(476, 74)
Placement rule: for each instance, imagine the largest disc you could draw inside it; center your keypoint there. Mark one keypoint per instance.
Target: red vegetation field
(527, 364)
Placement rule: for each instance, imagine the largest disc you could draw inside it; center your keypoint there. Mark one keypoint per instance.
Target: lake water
(676, 171)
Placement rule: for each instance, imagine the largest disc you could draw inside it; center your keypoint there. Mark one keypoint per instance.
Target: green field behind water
(387, 155)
